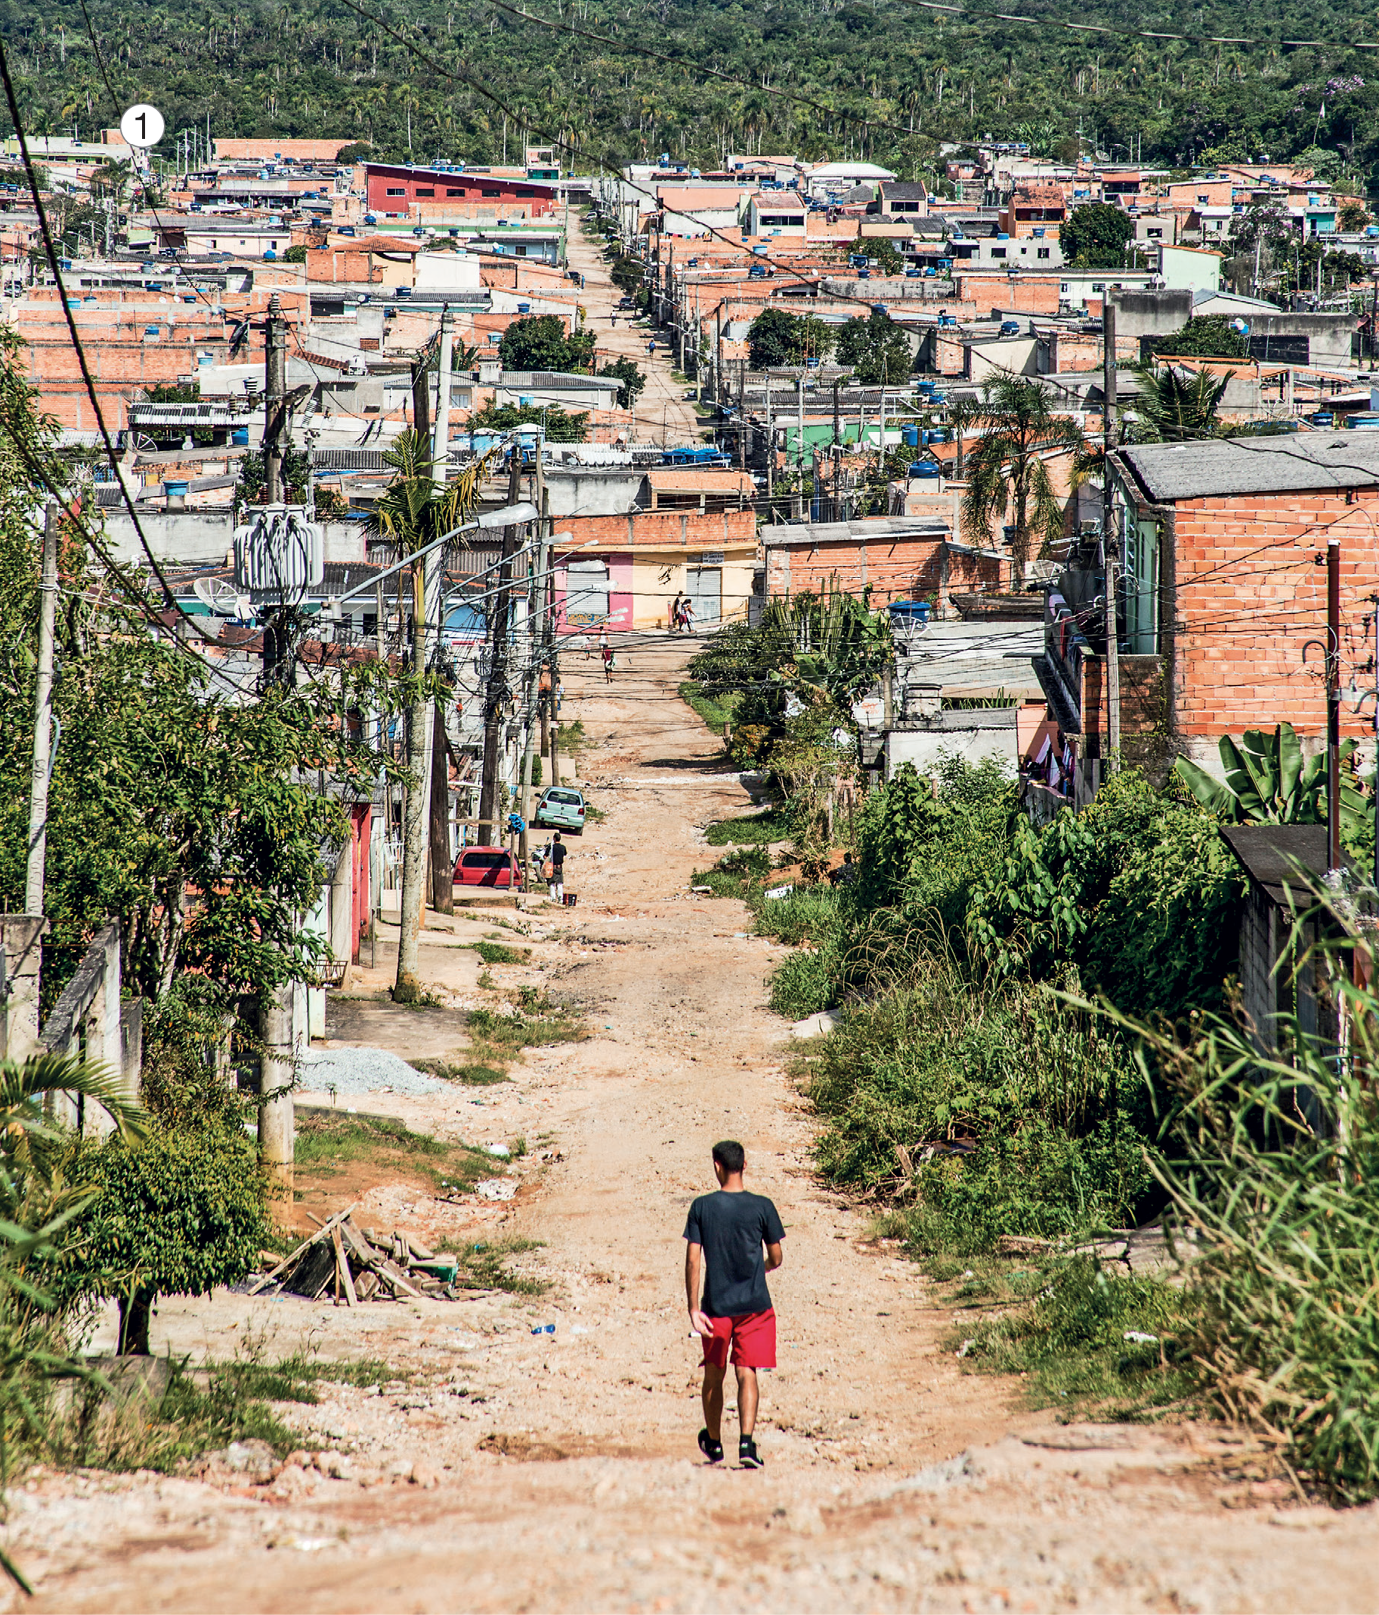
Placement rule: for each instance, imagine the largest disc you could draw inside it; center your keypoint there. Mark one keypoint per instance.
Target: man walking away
(728, 1232)
(558, 869)
(607, 663)
(673, 615)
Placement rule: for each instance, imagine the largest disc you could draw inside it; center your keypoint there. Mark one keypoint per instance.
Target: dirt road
(664, 415)
(557, 1471)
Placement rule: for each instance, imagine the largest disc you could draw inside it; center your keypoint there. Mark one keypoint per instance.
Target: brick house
(1222, 598)
(400, 190)
(896, 557)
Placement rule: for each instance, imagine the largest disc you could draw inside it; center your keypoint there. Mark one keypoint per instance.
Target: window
(1204, 196)
(492, 190)
(455, 190)
(525, 190)
(397, 190)
(1042, 252)
(485, 860)
(998, 252)
(429, 191)
(1155, 235)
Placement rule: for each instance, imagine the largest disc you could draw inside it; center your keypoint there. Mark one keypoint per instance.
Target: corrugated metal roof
(877, 527)
(1218, 467)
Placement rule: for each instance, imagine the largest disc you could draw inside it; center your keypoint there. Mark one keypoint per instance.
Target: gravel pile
(358, 1071)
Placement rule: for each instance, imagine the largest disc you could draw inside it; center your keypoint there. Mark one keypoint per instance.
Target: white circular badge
(142, 125)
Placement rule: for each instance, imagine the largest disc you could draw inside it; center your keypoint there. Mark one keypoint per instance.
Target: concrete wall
(973, 736)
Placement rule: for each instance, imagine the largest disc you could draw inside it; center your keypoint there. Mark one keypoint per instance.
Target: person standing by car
(558, 869)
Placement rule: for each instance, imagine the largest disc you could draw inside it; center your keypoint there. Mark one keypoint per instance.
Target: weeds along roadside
(1037, 1046)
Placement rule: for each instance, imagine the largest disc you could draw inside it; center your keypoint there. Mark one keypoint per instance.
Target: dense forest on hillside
(885, 80)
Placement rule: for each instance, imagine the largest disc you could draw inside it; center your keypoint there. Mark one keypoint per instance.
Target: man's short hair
(730, 1156)
(557, 835)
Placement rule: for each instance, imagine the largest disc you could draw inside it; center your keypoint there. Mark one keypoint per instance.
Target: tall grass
(1273, 1163)
(1003, 1112)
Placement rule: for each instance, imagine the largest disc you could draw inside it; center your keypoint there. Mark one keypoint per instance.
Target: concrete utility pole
(496, 692)
(437, 756)
(275, 403)
(1111, 762)
(277, 1122)
(536, 591)
(420, 733)
(770, 452)
(43, 719)
(1333, 704)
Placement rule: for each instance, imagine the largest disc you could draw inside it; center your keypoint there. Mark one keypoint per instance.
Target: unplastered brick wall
(903, 569)
(686, 529)
(1251, 594)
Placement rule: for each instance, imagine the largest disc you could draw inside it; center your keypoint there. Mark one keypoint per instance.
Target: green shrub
(175, 1214)
(1008, 1113)
(498, 953)
(802, 985)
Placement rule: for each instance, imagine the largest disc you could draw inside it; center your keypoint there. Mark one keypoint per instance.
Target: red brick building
(1222, 601)
(896, 557)
(400, 190)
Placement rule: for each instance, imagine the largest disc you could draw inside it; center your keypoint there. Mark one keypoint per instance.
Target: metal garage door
(704, 586)
(586, 594)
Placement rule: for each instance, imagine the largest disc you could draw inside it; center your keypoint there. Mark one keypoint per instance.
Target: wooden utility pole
(1109, 546)
(43, 719)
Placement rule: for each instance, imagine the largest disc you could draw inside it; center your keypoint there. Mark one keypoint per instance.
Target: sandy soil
(517, 1471)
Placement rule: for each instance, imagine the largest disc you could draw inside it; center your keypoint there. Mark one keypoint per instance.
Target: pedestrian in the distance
(733, 1240)
(607, 663)
(686, 616)
(557, 860)
(673, 615)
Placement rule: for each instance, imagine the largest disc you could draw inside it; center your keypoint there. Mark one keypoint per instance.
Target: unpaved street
(513, 1471)
(663, 414)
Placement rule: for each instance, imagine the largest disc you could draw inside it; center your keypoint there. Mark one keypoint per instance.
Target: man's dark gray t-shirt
(732, 1228)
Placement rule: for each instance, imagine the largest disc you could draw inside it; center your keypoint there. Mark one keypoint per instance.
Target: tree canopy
(778, 338)
(539, 343)
(1209, 336)
(1096, 236)
(877, 349)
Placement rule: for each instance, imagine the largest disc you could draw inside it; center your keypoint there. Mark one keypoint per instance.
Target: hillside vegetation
(891, 80)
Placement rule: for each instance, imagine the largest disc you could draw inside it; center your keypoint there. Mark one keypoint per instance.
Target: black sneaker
(747, 1454)
(712, 1450)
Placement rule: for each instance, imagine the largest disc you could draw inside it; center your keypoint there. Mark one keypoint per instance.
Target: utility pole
(437, 756)
(799, 495)
(770, 451)
(535, 633)
(1111, 762)
(496, 692)
(276, 1113)
(1333, 705)
(275, 403)
(43, 719)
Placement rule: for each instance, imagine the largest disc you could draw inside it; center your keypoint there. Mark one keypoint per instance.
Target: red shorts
(752, 1337)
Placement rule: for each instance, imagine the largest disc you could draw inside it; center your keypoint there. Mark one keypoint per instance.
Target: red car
(487, 866)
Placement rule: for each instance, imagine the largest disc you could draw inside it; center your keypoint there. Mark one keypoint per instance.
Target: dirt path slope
(663, 413)
(558, 1471)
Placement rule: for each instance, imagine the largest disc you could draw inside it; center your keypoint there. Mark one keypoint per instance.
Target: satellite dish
(221, 596)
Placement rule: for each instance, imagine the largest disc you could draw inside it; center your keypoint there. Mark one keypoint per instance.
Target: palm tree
(1175, 406)
(1007, 468)
(415, 512)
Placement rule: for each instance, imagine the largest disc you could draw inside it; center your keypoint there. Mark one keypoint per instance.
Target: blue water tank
(909, 611)
(239, 437)
(524, 308)
(924, 468)
(910, 433)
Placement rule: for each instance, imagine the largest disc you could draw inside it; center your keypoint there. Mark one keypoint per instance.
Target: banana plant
(1268, 781)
